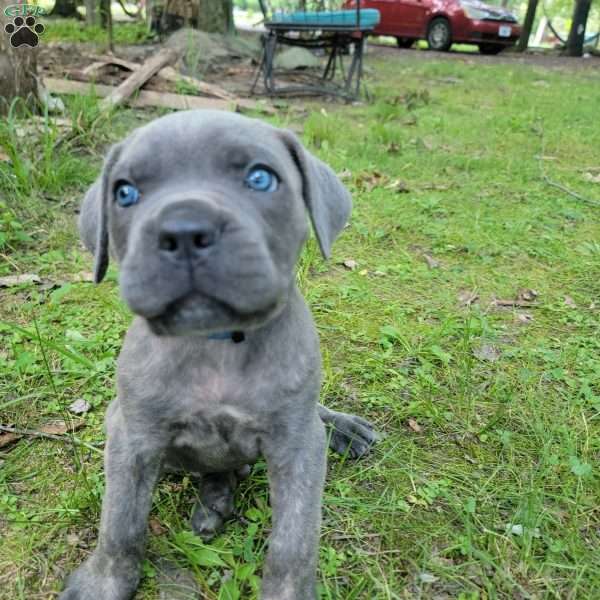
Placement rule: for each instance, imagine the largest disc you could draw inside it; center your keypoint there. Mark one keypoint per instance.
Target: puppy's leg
(348, 433)
(296, 465)
(112, 572)
(215, 504)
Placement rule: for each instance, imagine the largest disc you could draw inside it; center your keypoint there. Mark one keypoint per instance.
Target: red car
(445, 22)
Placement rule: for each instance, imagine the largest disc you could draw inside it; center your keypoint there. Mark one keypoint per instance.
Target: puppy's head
(206, 213)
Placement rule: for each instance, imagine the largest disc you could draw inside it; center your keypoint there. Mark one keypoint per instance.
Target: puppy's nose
(186, 239)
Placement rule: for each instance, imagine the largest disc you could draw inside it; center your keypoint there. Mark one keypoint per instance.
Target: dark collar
(235, 336)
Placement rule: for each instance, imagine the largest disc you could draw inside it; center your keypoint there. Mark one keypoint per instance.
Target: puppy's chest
(215, 424)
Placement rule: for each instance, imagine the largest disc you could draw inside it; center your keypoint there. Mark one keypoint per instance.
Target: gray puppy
(206, 214)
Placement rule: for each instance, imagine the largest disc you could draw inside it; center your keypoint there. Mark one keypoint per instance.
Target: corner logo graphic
(24, 29)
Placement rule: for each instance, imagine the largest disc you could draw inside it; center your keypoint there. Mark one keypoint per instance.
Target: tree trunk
(90, 12)
(215, 16)
(65, 8)
(18, 66)
(104, 9)
(527, 26)
(577, 32)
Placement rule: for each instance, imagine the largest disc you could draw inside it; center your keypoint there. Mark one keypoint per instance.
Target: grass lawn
(486, 483)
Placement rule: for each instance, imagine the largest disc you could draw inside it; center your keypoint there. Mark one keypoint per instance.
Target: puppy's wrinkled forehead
(199, 147)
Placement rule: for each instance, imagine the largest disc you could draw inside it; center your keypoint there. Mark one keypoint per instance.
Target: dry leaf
(592, 178)
(570, 302)
(156, 527)
(466, 297)
(80, 406)
(527, 295)
(4, 157)
(368, 181)
(398, 186)
(350, 264)
(393, 148)
(84, 276)
(524, 318)
(379, 273)
(345, 174)
(8, 438)
(487, 352)
(412, 423)
(59, 427)
(12, 280)
(432, 263)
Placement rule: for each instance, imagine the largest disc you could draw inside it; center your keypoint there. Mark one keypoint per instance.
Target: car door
(410, 15)
(388, 16)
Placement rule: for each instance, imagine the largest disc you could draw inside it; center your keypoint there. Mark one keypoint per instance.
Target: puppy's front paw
(350, 434)
(89, 582)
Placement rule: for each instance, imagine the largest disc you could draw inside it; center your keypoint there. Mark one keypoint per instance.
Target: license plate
(504, 31)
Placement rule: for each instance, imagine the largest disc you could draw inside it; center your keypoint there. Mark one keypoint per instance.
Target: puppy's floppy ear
(328, 202)
(93, 218)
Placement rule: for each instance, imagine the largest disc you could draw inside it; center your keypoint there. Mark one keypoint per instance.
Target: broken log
(138, 78)
(145, 98)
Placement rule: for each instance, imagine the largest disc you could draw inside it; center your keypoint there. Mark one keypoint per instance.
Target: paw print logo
(24, 32)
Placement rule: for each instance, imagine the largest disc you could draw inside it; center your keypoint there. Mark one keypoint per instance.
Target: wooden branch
(138, 78)
(18, 433)
(170, 74)
(167, 73)
(146, 98)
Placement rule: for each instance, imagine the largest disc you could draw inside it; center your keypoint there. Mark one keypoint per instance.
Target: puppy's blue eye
(262, 180)
(126, 194)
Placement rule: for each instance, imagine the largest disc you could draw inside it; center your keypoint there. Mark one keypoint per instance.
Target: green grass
(496, 495)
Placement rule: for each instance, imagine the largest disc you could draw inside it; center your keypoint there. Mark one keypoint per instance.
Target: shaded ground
(545, 60)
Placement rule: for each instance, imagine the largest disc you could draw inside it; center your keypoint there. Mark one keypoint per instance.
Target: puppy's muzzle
(186, 234)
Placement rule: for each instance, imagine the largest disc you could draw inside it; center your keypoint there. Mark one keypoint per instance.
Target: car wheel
(490, 48)
(439, 34)
(404, 42)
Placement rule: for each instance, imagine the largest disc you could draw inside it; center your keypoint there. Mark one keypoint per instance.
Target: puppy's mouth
(199, 314)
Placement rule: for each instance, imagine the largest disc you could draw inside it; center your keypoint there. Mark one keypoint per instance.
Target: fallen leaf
(86, 276)
(363, 272)
(4, 157)
(398, 186)
(427, 578)
(350, 264)
(12, 280)
(592, 178)
(412, 423)
(487, 352)
(524, 318)
(73, 539)
(527, 295)
(59, 427)
(570, 302)
(367, 181)
(80, 406)
(379, 273)
(345, 174)
(393, 148)
(466, 297)
(8, 438)
(156, 527)
(432, 263)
